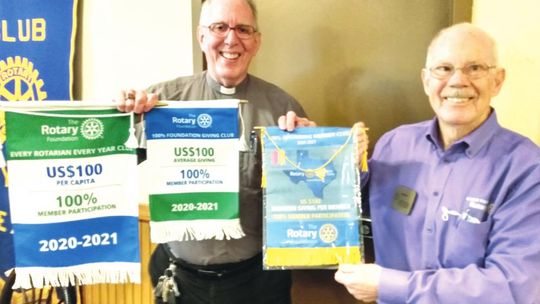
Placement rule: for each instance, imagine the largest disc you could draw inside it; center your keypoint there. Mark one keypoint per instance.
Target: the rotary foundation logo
(204, 121)
(92, 128)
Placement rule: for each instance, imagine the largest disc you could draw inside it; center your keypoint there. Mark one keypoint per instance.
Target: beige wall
(351, 60)
(516, 27)
(132, 44)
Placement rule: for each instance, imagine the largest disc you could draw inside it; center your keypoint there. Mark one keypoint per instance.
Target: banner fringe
(87, 274)
(310, 257)
(162, 232)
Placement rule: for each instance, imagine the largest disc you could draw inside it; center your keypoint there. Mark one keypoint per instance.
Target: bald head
(460, 79)
(464, 33)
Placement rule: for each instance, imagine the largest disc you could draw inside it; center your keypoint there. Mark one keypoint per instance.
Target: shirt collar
(218, 88)
(474, 141)
(479, 137)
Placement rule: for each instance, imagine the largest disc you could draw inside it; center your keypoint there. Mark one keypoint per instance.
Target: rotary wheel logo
(204, 120)
(92, 128)
(19, 81)
(328, 233)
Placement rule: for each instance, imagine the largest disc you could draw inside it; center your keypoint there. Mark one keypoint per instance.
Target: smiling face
(461, 103)
(228, 57)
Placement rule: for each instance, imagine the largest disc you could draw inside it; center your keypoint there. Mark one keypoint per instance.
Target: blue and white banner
(193, 155)
(72, 176)
(37, 40)
(311, 197)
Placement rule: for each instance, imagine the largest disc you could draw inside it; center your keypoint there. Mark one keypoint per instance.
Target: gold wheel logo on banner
(19, 80)
(328, 233)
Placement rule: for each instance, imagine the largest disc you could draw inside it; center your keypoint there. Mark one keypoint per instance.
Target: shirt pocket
(467, 244)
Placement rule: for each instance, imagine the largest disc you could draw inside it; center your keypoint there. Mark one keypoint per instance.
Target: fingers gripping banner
(311, 198)
(74, 211)
(193, 152)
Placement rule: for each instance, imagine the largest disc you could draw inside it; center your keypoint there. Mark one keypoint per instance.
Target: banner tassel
(364, 161)
(132, 139)
(364, 165)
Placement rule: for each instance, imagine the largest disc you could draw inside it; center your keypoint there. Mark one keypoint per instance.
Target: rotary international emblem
(19, 81)
(92, 128)
(204, 120)
(328, 233)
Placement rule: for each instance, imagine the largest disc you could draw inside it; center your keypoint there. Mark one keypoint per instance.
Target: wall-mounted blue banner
(37, 40)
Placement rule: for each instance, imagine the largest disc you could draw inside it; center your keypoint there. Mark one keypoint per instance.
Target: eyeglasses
(473, 70)
(243, 31)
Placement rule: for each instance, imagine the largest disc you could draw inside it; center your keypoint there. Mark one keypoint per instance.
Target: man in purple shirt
(455, 201)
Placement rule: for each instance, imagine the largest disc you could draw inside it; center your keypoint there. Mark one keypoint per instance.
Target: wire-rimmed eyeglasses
(472, 71)
(243, 31)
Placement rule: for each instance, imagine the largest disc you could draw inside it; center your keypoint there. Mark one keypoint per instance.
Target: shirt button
(435, 193)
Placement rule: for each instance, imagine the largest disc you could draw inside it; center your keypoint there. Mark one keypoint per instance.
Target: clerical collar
(224, 90)
(227, 91)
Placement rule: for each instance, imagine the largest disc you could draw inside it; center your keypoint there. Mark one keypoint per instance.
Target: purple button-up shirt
(473, 232)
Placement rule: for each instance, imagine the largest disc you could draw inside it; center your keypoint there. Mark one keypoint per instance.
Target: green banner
(66, 134)
(193, 206)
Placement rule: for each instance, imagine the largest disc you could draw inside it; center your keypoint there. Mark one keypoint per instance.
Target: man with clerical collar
(227, 271)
